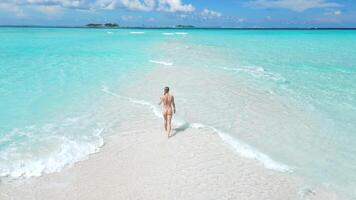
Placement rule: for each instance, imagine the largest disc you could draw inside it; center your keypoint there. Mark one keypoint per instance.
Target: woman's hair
(166, 90)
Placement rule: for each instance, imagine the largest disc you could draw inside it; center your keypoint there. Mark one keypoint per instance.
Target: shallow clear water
(314, 74)
(50, 81)
(301, 109)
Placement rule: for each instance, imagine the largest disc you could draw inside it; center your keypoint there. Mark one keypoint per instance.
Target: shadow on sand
(180, 128)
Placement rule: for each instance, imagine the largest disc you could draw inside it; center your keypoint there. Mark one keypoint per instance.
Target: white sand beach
(139, 162)
(193, 164)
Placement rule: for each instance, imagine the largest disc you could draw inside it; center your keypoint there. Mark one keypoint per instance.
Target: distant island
(185, 26)
(115, 25)
(107, 25)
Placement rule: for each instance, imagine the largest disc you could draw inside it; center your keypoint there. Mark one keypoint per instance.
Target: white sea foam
(167, 33)
(156, 111)
(109, 32)
(137, 32)
(248, 151)
(181, 33)
(152, 107)
(258, 72)
(45, 149)
(240, 147)
(197, 125)
(161, 62)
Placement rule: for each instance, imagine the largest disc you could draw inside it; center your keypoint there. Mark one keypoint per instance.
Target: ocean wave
(246, 150)
(240, 147)
(176, 33)
(258, 72)
(137, 32)
(152, 107)
(34, 150)
(161, 62)
(181, 33)
(167, 33)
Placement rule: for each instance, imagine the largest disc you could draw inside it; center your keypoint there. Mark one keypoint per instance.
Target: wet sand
(192, 164)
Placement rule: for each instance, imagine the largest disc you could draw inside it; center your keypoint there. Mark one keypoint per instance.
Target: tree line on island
(115, 25)
(107, 25)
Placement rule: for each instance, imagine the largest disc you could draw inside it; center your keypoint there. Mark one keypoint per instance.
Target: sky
(202, 13)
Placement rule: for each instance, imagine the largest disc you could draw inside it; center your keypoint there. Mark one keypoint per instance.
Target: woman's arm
(160, 101)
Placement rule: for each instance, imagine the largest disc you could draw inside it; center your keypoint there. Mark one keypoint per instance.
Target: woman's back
(167, 100)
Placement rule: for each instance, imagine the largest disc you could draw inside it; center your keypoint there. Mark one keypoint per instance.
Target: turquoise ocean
(54, 111)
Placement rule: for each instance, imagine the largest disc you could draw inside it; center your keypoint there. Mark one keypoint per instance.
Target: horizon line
(175, 27)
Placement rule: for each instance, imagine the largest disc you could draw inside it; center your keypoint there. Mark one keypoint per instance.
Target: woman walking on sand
(168, 103)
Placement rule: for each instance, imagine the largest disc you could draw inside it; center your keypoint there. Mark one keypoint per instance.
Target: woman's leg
(169, 124)
(165, 121)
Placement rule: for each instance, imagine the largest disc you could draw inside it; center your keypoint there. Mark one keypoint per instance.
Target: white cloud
(240, 20)
(183, 16)
(337, 12)
(145, 5)
(12, 8)
(333, 13)
(126, 17)
(106, 4)
(130, 18)
(72, 4)
(208, 14)
(174, 6)
(141, 5)
(152, 5)
(295, 5)
(49, 10)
